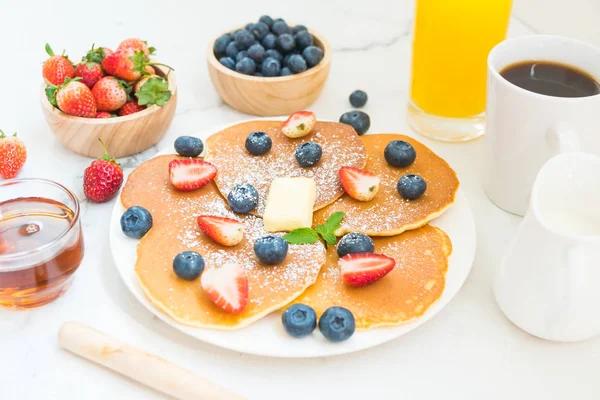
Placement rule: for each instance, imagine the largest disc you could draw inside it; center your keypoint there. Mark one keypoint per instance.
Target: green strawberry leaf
(139, 62)
(152, 50)
(302, 236)
(154, 91)
(51, 95)
(49, 50)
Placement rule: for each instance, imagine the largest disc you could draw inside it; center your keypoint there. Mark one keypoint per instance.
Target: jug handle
(562, 138)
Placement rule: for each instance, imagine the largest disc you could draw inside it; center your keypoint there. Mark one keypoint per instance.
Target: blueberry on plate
(221, 44)
(411, 186)
(188, 265)
(258, 143)
(246, 66)
(298, 28)
(257, 53)
(244, 39)
(136, 222)
(285, 71)
(280, 27)
(313, 55)
(299, 320)
(265, 19)
(188, 146)
(231, 50)
(358, 98)
(259, 30)
(243, 198)
(269, 41)
(240, 55)
(399, 153)
(337, 324)
(308, 154)
(228, 62)
(271, 249)
(359, 120)
(303, 40)
(296, 63)
(354, 242)
(271, 67)
(272, 53)
(286, 43)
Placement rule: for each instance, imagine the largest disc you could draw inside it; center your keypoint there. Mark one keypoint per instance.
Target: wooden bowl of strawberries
(120, 97)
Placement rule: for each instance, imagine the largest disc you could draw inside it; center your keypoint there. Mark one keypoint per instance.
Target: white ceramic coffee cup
(525, 129)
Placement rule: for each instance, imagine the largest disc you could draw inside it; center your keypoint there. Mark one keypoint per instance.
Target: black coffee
(551, 79)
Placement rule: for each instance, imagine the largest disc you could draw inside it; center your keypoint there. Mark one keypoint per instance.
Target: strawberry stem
(106, 156)
(164, 65)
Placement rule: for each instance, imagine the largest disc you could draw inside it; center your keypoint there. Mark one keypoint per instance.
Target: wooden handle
(143, 367)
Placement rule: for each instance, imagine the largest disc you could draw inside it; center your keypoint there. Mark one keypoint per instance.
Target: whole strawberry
(73, 98)
(57, 68)
(121, 64)
(104, 114)
(110, 93)
(12, 155)
(102, 179)
(136, 44)
(130, 107)
(89, 69)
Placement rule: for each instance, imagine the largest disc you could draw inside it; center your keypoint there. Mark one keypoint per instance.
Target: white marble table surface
(468, 351)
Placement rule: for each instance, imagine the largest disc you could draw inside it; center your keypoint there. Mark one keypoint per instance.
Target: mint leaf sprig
(325, 231)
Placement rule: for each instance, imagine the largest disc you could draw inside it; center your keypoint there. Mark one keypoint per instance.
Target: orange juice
(451, 42)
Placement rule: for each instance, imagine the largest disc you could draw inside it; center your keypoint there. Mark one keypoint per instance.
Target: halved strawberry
(360, 184)
(226, 286)
(225, 231)
(361, 269)
(299, 124)
(191, 173)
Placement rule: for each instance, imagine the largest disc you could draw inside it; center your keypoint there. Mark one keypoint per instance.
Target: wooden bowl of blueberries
(269, 67)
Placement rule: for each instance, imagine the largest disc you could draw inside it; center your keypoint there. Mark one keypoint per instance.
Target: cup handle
(563, 138)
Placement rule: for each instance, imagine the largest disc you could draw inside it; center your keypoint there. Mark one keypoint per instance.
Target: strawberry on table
(131, 107)
(361, 269)
(360, 184)
(57, 68)
(299, 124)
(73, 98)
(225, 231)
(110, 93)
(191, 173)
(102, 179)
(13, 155)
(226, 287)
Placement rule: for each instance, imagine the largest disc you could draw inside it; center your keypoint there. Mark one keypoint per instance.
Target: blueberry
(299, 320)
(228, 62)
(359, 120)
(271, 67)
(298, 28)
(296, 63)
(240, 55)
(235, 33)
(411, 186)
(286, 43)
(278, 20)
(259, 74)
(231, 50)
(355, 242)
(188, 146)
(248, 25)
(337, 324)
(271, 249)
(265, 19)
(303, 39)
(244, 39)
(243, 198)
(259, 30)
(313, 55)
(399, 153)
(246, 66)
(136, 222)
(273, 54)
(280, 28)
(308, 154)
(286, 58)
(221, 44)
(258, 143)
(257, 53)
(270, 41)
(188, 265)
(285, 71)
(358, 98)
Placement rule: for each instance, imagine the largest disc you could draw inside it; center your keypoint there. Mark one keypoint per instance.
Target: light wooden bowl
(265, 96)
(123, 136)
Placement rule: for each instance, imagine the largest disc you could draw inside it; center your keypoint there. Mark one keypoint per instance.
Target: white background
(468, 351)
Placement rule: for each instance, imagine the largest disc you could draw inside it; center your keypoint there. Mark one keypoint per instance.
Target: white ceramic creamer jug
(548, 283)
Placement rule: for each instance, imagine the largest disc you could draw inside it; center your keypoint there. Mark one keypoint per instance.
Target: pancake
(175, 230)
(416, 282)
(340, 144)
(389, 214)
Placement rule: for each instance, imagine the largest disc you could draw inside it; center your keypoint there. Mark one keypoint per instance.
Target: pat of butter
(290, 204)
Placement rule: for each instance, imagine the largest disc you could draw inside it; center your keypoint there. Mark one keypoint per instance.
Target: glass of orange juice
(451, 42)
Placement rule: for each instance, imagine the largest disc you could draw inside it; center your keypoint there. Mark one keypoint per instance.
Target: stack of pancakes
(310, 273)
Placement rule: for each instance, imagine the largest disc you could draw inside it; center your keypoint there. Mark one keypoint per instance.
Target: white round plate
(266, 337)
